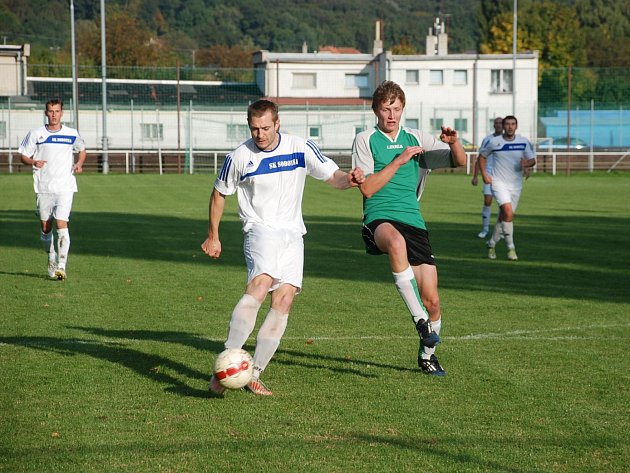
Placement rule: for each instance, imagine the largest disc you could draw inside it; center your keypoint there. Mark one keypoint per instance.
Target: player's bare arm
(212, 245)
(78, 166)
(345, 180)
(487, 178)
(449, 136)
(375, 182)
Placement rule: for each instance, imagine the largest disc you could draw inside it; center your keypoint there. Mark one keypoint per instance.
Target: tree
(550, 28)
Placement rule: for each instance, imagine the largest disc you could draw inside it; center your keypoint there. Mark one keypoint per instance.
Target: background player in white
(396, 161)
(268, 172)
(511, 154)
(486, 211)
(50, 150)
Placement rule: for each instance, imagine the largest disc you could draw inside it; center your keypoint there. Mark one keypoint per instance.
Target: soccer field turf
(108, 370)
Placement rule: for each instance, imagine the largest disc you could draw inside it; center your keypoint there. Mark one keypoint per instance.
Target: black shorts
(417, 239)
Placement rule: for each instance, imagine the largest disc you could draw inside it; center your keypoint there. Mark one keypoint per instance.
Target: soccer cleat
(428, 338)
(483, 234)
(431, 366)
(215, 386)
(511, 255)
(257, 387)
(60, 274)
(52, 268)
(492, 253)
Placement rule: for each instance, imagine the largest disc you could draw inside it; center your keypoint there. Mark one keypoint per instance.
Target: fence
(157, 123)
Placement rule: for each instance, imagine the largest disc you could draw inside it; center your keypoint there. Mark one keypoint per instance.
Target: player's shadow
(336, 364)
(150, 366)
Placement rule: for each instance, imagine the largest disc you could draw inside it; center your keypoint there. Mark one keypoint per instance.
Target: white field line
(513, 335)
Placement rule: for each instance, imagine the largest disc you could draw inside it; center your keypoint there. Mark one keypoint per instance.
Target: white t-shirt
(506, 156)
(57, 148)
(270, 184)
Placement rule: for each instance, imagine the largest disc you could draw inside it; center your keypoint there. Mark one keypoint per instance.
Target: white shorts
(278, 253)
(57, 206)
(487, 189)
(505, 195)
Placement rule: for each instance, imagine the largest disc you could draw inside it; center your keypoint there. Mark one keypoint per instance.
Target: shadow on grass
(581, 256)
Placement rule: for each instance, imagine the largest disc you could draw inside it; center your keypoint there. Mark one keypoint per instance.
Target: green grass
(108, 370)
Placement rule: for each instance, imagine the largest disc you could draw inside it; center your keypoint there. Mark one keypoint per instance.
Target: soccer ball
(233, 368)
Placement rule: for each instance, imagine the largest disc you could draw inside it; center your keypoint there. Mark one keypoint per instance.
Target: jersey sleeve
(361, 154)
(486, 148)
(529, 152)
(227, 179)
(317, 165)
(79, 144)
(436, 153)
(28, 145)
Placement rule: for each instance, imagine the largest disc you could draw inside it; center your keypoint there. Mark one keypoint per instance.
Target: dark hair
(56, 101)
(260, 107)
(388, 92)
(510, 117)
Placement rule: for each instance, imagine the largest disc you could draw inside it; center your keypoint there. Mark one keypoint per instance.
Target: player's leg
(486, 211)
(61, 212)
(503, 197)
(427, 277)
(389, 240)
(508, 224)
(45, 204)
(287, 251)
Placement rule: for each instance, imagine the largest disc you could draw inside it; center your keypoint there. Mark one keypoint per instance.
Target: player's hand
(356, 177)
(39, 164)
(449, 135)
(487, 179)
(211, 247)
(409, 153)
(78, 169)
(474, 181)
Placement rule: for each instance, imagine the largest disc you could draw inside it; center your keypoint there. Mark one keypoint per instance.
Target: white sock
(268, 339)
(496, 235)
(63, 241)
(486, 213)
(408, 290)
(242, 322)
(48, 244)
(508, 233)
(427, 352)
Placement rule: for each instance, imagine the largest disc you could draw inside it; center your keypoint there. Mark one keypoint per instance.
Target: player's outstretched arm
(345, 180)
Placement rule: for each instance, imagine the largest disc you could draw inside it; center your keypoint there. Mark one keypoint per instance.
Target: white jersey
(506, 155)
(270, 184)
(57, 148)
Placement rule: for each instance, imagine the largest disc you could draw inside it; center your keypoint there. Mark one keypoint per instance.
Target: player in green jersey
(396, 161)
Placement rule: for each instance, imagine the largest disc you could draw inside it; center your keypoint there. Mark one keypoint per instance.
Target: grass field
(108, 370)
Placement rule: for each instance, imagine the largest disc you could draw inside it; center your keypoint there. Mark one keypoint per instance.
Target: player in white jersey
(50, 150)
(486, 211)
(511, 155)
(267, 173)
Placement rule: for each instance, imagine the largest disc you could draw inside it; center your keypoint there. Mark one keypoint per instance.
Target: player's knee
(432, 304)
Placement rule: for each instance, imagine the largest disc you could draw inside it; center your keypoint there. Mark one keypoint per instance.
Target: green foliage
(107, 372)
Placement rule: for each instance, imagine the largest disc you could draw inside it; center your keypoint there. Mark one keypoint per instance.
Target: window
(436, 77)
(460, 77)
(412, 76)
(152, 131)
(314, 133)
(238, 132)
(436, 123)
(304, 81)
(412, 123)
(461, 124)
(501, 81)
(357, 81)
(3, 130)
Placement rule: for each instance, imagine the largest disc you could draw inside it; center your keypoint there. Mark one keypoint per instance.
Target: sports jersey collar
(268, 150)
(387, 136)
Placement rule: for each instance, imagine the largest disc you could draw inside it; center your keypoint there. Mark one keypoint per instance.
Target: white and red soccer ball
(233, 368)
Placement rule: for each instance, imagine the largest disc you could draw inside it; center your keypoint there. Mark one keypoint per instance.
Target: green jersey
(399, 199)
